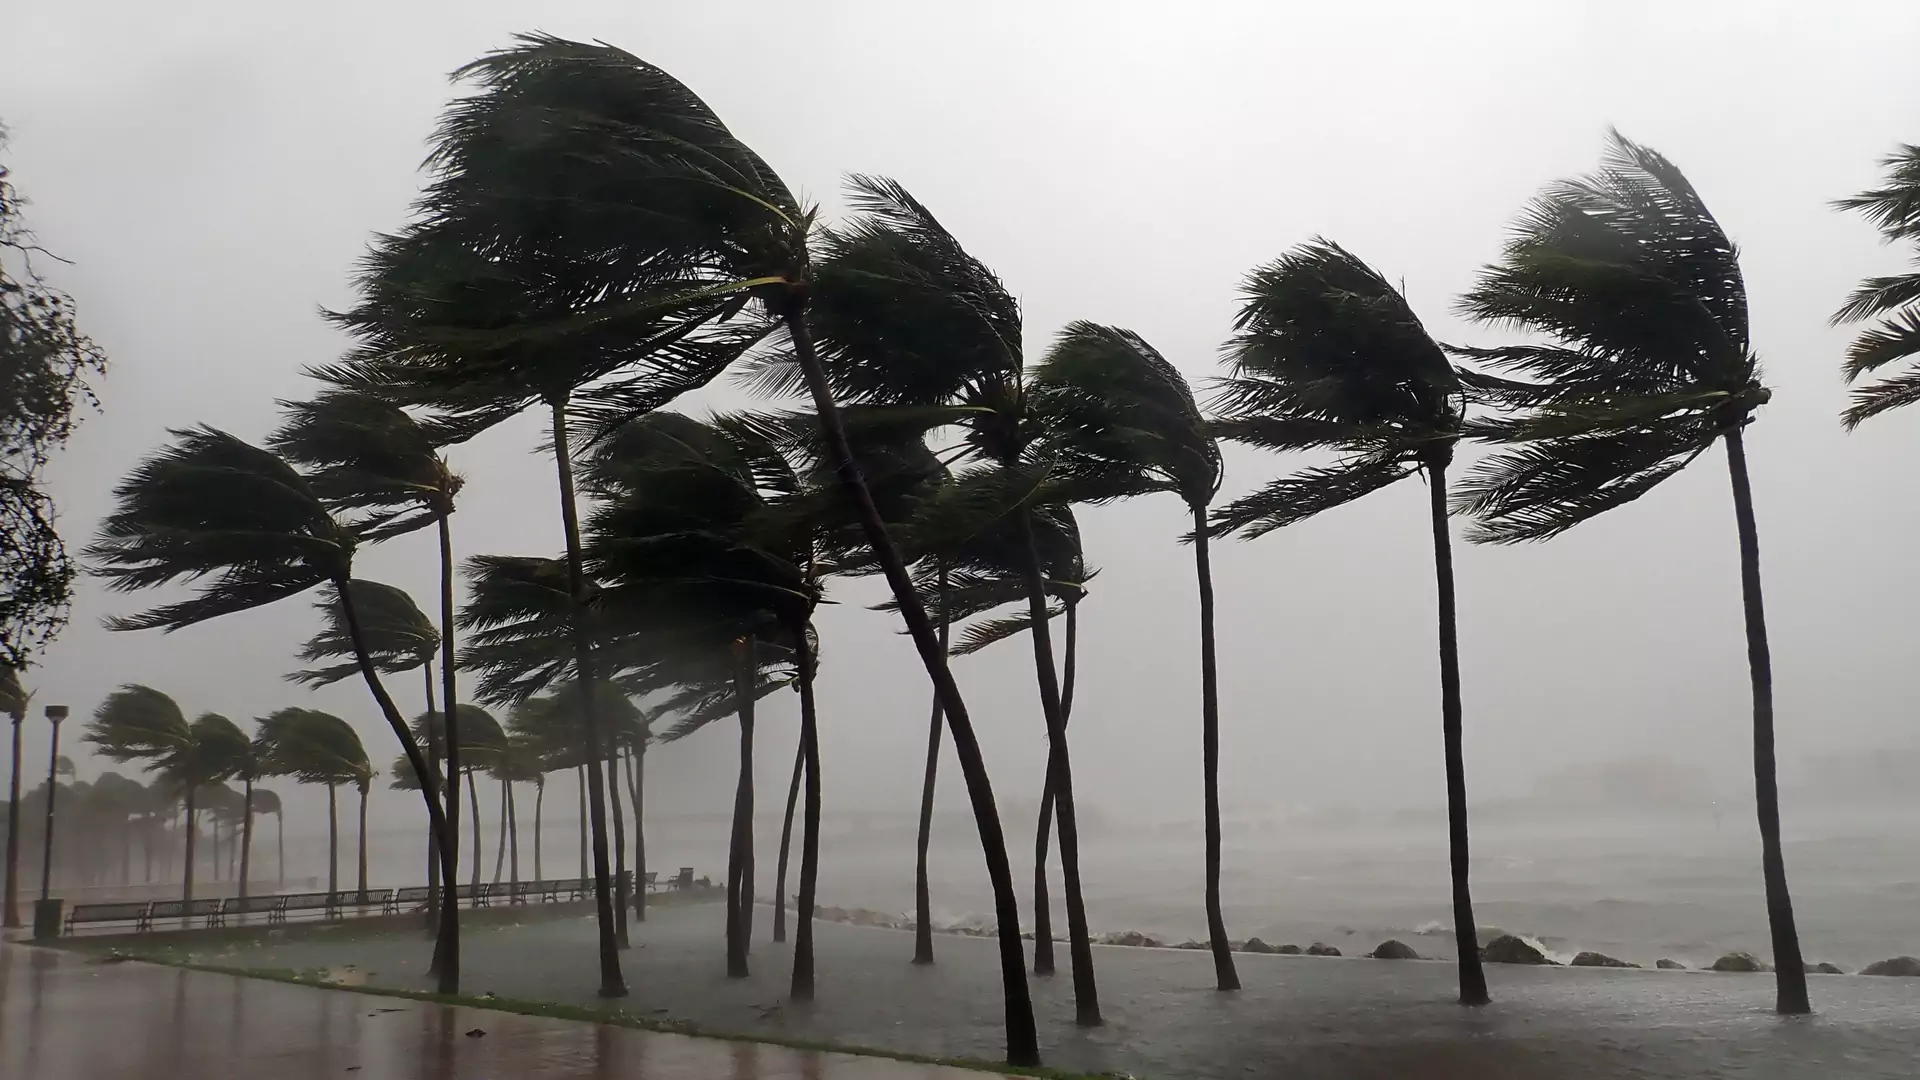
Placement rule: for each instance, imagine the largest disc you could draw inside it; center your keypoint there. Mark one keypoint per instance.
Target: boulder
(1190, 944)
(1256, 945)
(1900, 965)
(1595, 959)
(1322, 949)
(1665, 964)
(1132, 938)
(1288, 950)
(1739, 961)
(1394, 950)
(1508, 949)
(1827, 969)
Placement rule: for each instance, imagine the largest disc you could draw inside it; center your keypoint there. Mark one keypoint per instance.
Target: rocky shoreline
(1499, 949)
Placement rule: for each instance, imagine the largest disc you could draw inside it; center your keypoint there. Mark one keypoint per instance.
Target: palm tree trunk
(1473, 980)
(246, 835)
(741, 843)
(922, 894)
(636, 761)
(1086, 994)
(446, 946)
(214, 832)
(280, 849)
(1790, 973)
(539, 802)
(1023, 1041)
(333, 842)
(580, 782)
(513, 839)
(786, 839)
(429, 789)
(473, 806)
(1042, 905)
(12, 914)
(620, 893)
(612, 982)
(433, 844)
(1224, 975)
(500, 840)
(802, 988)
(360, 893)
(186, 873)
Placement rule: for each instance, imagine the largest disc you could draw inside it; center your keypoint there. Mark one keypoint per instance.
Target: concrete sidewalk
(65, 1018)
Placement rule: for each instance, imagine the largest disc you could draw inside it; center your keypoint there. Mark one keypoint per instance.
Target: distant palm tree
(213, 509)
(1327, 355)
(319, 748)
(139, 723)
(375, 464)
(1893, 300)
(1651, 362)
(1124, 424)
(224, 752)
(268, 802)
(13, 702)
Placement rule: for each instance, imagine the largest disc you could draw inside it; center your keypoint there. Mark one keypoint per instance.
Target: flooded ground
(1298, 1017)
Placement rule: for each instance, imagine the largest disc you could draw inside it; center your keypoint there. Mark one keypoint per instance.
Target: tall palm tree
(1650, 363)
(320, 748)
(224, 752)
(1893, 300)
(1327, 355)
(1125, 424)
(13, 702)
(214, 509)
(139, 723)
(378, 466)
(265, 801)
(721, 229)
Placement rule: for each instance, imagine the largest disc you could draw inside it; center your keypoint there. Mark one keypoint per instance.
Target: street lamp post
(55, 714)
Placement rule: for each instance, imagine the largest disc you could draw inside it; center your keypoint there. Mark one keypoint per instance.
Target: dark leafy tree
(1326, 355)
(250, 530)
(1649, 363)
(1892, 301)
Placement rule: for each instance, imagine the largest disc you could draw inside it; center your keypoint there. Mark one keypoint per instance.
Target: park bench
(89, 914)
(252, 905)
(399, 900)
(652, 880)
(309, 901)
(207, 910)
(683, 879)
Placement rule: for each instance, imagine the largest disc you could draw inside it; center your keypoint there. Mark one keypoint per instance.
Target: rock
(1595, 959)
(1132, 938)
(1320, 949)
(1905, 966)
(1508, 949)
(1394, 950)
(1665, 964)
(1256, 945)
(1190, 944)
(1741, 961)
(1288, 950)
(1827, 969)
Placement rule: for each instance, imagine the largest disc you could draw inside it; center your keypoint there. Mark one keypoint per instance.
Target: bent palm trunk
(612, 982)
(786, 839)
(619, 850)
(473, 804)
(1023, 1042)
(539, 799)
(739, 896)
(186, 873)
(1042, 831)
(360, 896)
(802, 987)
(1225, 977)
(1086, 994)
(922, 893)
(636, 765)
(446, 947)
(1473, 979)
(333, 843)
(1790, 973)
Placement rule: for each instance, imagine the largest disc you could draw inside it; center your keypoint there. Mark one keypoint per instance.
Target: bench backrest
(180, 909)
(306, 901)
(684, 878)
(252, 905)
(412, 893)
(85, 913)
(465, 891)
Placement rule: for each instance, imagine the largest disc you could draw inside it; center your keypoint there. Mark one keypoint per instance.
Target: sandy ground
(1298, 1017)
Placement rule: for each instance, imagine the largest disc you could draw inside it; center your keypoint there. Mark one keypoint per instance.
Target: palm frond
(1893, 208)
(979, 635)
(399, 636)
(1292, 499)
(1538, 490)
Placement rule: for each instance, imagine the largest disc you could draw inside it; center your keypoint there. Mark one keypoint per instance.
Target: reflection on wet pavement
(63, 1017)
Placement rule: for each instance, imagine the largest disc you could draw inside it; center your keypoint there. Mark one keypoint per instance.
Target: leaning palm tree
(1893, 300)
(222, 751)
(1327, 355)
(1649, 363)
(265, 801)
(139, 723)
(661, 296)
(213, 509)
(376, 465)
(319, 748)
(1125, 424)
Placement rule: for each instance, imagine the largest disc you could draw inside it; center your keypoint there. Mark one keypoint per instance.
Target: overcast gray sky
(213, 169)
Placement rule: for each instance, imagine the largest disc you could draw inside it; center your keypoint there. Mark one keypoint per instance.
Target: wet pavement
(64, 1017)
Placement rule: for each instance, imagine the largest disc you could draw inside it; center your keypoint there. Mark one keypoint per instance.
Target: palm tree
(1640, 292)
(1894, 300)
(1125, 424)
(375, 464)
(13, 702)
(214, 509)
(720, 229)
(1327, 355)
(223, 752)
(139, 723)
(320, 748)
(268, 802)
